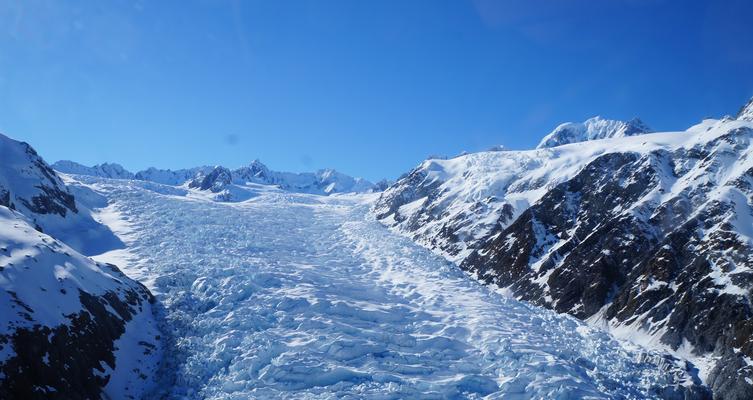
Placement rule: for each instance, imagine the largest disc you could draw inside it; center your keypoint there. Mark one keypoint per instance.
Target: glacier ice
(299, 296)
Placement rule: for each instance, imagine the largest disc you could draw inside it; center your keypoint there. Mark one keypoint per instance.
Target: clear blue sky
(367, 87)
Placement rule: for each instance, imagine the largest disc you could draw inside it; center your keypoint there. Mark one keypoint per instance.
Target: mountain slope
(650, 236)
(69, 327)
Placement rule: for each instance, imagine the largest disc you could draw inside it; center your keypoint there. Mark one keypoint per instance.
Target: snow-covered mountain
(592, 129)
(650, 236)
(106, 170)
(69, 327)
(229, 187)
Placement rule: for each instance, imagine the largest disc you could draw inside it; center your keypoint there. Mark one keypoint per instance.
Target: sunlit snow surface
(299, 296)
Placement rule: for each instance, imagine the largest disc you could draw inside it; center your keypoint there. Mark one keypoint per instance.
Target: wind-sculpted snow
(299, 296)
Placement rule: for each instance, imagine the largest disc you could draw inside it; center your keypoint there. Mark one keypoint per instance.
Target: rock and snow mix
(650, 236)
(300, 296)
(64, 315)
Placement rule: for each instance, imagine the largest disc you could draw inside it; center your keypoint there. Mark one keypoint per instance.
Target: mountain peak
(592, 129)
(746, 112)
(215, 181)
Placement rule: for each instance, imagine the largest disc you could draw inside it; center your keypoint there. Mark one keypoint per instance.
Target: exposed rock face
(215, 181)
(651, 236)
(592, 129)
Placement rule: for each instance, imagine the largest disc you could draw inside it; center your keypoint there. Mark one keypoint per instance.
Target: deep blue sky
(367, 87)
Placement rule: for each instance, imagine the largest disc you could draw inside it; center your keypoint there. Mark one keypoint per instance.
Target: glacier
(290, 295)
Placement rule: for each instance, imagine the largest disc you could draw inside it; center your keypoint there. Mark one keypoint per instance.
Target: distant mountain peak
(105, 170)
(214, 181)
(593, 129)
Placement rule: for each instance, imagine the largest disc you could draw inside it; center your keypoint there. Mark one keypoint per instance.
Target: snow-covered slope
(228, 185)
(69, 327)
(592, 129)
(650, 236)
(30, 186)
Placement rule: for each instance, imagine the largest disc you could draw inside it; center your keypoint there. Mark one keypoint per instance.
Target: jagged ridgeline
(647, 234)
